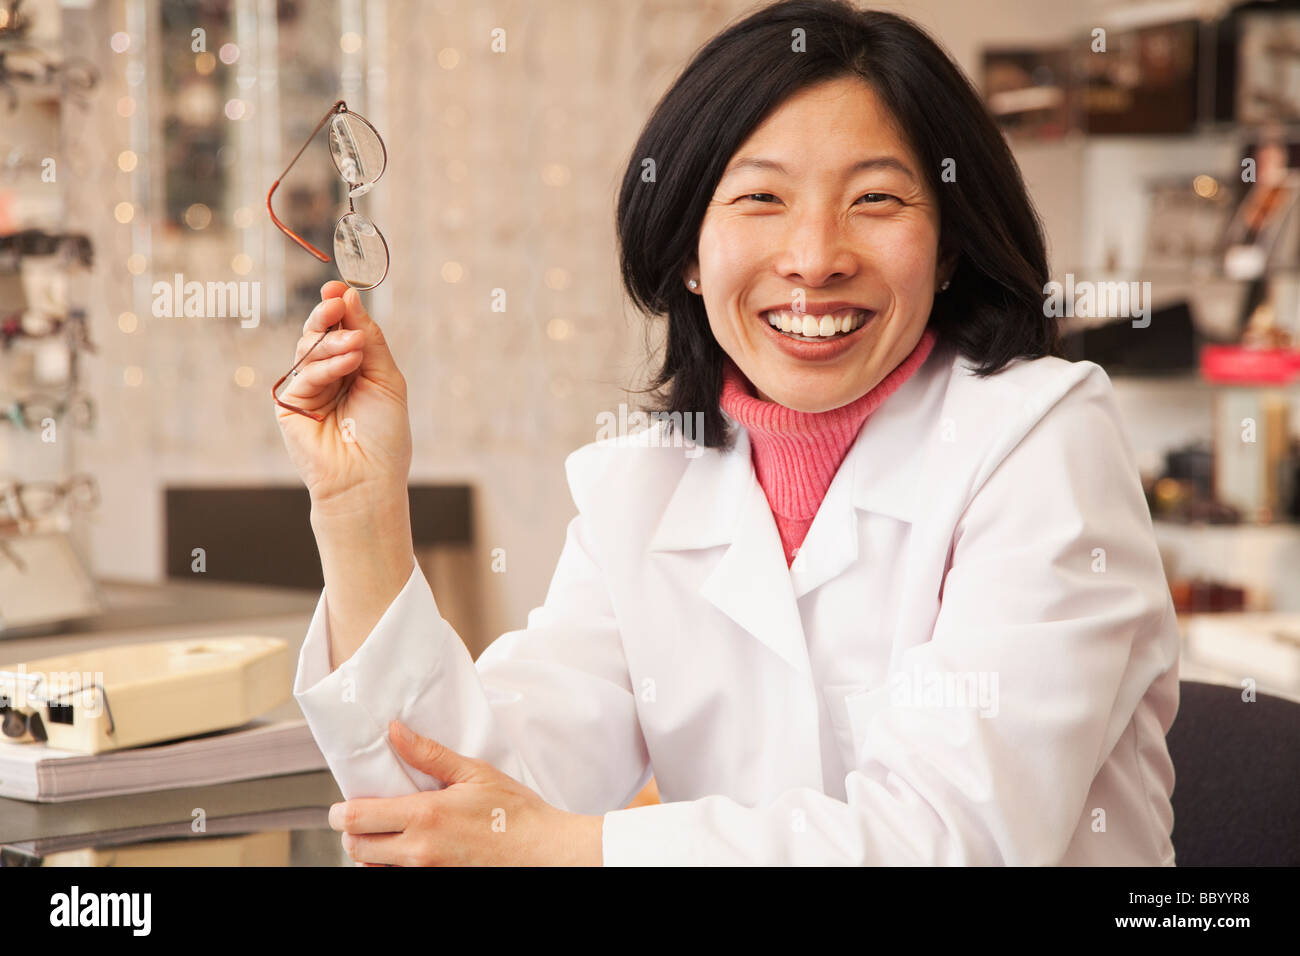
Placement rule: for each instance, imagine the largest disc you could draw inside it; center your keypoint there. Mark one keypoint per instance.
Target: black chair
(1236, 792)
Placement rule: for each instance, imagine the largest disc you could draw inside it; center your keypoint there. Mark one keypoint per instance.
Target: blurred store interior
(1160, 141)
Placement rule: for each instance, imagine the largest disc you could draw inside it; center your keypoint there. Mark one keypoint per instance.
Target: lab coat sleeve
(1056, 592)
(551, 705)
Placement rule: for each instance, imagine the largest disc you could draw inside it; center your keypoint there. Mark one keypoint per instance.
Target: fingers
(323, 345)
(380, 849)
(317, 375)
(327, 313)
(333, 289)
(374, 814)
(378, 361)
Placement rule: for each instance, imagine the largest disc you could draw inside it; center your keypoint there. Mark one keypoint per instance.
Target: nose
(816, 251)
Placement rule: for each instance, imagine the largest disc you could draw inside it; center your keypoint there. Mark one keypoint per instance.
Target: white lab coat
(979, 529)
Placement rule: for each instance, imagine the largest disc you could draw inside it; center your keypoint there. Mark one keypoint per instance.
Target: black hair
(992, 311)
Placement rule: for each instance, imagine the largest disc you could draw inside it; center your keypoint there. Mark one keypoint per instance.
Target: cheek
(728, 252)
(905, 256)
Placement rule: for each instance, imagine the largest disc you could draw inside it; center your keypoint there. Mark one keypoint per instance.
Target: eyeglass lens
(359, 249)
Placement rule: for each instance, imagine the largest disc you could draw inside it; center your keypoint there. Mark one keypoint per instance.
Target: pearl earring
(944, 287)
(693, 283)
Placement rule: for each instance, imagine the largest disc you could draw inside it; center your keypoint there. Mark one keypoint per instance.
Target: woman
(901, 604)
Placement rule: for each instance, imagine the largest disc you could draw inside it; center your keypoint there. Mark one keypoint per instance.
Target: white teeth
(824, 326)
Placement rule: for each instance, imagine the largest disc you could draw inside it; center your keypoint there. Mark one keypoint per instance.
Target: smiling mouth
(803, 327)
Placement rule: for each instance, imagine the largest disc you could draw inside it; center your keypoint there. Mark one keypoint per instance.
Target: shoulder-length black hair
(993, 310)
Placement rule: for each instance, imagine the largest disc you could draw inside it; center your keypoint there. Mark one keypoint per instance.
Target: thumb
(425, 753)
(376, 360)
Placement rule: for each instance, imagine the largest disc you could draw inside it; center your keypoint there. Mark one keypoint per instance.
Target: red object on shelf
(1238, 365)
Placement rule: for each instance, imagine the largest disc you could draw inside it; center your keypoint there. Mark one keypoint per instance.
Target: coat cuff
(398, 659)
(663, 834)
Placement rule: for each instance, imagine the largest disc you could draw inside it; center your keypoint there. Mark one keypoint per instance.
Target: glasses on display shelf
(42, 325)
(29, 67)
(360, 250)
(15, 246)
(26, 501)
(30, 412)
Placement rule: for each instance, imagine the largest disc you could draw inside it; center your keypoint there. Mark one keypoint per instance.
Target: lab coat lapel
(882, 474)
(720, 502)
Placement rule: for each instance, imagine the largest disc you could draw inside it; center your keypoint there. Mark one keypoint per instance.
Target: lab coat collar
(719, 502)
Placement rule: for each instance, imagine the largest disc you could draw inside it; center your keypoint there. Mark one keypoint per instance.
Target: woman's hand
(481, 817)
(365, 440)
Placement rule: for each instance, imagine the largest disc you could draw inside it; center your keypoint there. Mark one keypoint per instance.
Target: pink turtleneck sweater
(796, 454)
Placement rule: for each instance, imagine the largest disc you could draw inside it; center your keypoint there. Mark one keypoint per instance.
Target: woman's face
(818, 237)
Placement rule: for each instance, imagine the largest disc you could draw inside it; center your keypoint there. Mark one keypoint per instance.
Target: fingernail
(403, 731)
(336, 816)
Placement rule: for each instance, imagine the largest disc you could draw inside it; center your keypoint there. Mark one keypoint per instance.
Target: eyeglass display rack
(45, 263)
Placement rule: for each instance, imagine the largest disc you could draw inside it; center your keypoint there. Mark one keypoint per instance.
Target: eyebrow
(874, 162)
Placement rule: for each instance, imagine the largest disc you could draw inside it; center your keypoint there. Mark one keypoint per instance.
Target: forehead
(824, 125)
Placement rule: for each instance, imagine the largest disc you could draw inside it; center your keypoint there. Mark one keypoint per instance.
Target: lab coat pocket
(842, 701)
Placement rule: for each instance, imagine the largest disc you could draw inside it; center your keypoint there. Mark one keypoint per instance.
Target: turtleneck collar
(796, 454)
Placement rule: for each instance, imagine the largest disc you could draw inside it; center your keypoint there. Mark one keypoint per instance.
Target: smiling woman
(827, 148)
(901, 604)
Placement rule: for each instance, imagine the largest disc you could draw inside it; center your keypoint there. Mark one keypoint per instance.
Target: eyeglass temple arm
(338, 107)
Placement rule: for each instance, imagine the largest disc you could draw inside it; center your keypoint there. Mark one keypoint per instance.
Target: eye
(752, 195)
(879, 197)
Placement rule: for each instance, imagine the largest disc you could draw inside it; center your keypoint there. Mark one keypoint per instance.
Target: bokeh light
(198, 216)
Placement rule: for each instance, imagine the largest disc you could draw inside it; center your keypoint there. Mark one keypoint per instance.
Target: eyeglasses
(41, 325)
(360, 250)
(37, 242)
(31, 411)
(25, 501)
(31, 67)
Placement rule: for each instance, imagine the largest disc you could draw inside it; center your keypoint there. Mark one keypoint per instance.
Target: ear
(946, 265)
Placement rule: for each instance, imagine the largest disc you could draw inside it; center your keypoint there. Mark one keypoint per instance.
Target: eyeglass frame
(340, 107)
(18, 514)
(60, 406)
(72, 325)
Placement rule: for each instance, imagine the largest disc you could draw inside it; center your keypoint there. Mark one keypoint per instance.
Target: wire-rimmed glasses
(360, 249)
(25, 502)
(77, 408)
